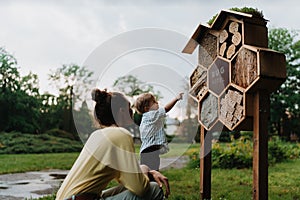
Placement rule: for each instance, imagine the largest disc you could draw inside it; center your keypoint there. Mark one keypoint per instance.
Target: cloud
(44, 35)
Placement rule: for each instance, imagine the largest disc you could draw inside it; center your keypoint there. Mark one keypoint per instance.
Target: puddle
(21, 183)
(58, 176)
(30, 184)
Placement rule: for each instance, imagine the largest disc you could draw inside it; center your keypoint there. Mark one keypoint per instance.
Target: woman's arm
(145, 169)
(158, 177)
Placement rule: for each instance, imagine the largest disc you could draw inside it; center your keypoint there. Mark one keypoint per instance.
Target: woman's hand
(161, 180)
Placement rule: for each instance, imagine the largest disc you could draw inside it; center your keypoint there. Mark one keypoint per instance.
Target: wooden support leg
(205, 164)
(260, 144)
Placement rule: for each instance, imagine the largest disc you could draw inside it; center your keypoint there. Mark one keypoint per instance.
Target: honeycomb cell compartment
(232, 109)
(209, 110)
(244, 68)
(230, 39)
(208, 50)
(218, 76)
(198, 74)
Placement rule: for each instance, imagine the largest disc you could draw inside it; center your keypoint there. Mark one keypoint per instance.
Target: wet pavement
(30, 185)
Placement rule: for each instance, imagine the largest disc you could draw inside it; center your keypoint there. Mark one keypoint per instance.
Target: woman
(109, 154)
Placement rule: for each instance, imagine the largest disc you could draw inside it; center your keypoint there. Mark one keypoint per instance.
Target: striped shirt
(152, 128)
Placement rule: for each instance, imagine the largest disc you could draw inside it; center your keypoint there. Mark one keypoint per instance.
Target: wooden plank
(205, 164)
(261, 112)
(255, 35)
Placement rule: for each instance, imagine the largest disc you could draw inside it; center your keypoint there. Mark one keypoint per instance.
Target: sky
(116, 38)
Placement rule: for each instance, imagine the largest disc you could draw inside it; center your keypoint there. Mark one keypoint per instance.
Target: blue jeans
(120, 193)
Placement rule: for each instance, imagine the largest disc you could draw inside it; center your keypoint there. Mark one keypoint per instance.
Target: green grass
(230, 184)
(13, 163)
(237, 183)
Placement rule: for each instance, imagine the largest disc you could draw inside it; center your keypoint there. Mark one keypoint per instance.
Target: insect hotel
(232, 82)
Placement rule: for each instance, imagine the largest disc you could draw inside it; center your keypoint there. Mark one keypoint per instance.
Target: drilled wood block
(234, 120)
(231, 108)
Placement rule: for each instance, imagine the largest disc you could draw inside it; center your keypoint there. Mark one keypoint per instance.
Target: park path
(36, 184)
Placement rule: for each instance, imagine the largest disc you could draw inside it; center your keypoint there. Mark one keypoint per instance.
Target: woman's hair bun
(99, 96)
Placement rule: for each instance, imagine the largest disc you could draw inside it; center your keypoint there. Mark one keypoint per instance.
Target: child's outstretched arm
(171, 104)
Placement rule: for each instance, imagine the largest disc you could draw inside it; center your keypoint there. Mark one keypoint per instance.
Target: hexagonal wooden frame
(230, 38)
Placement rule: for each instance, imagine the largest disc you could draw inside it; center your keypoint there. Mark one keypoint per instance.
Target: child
(153, 138)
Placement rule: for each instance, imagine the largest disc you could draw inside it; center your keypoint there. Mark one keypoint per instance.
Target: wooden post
(260, 144)
(205, 164)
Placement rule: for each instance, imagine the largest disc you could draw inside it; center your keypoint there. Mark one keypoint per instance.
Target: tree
(72, 82)
(285, 110)
(132, 87)
(84, 121)
(49, 111)
(9, 74)
(18, 97)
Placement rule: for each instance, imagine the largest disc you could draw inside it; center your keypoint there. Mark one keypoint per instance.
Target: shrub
(224, 137)
(194, 162)
(17, 143)
(277, 150)
(60, 133)
(253, 11)
(293, 151)
(239, 153)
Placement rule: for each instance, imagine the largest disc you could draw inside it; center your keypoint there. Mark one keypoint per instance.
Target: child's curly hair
(143, 102)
